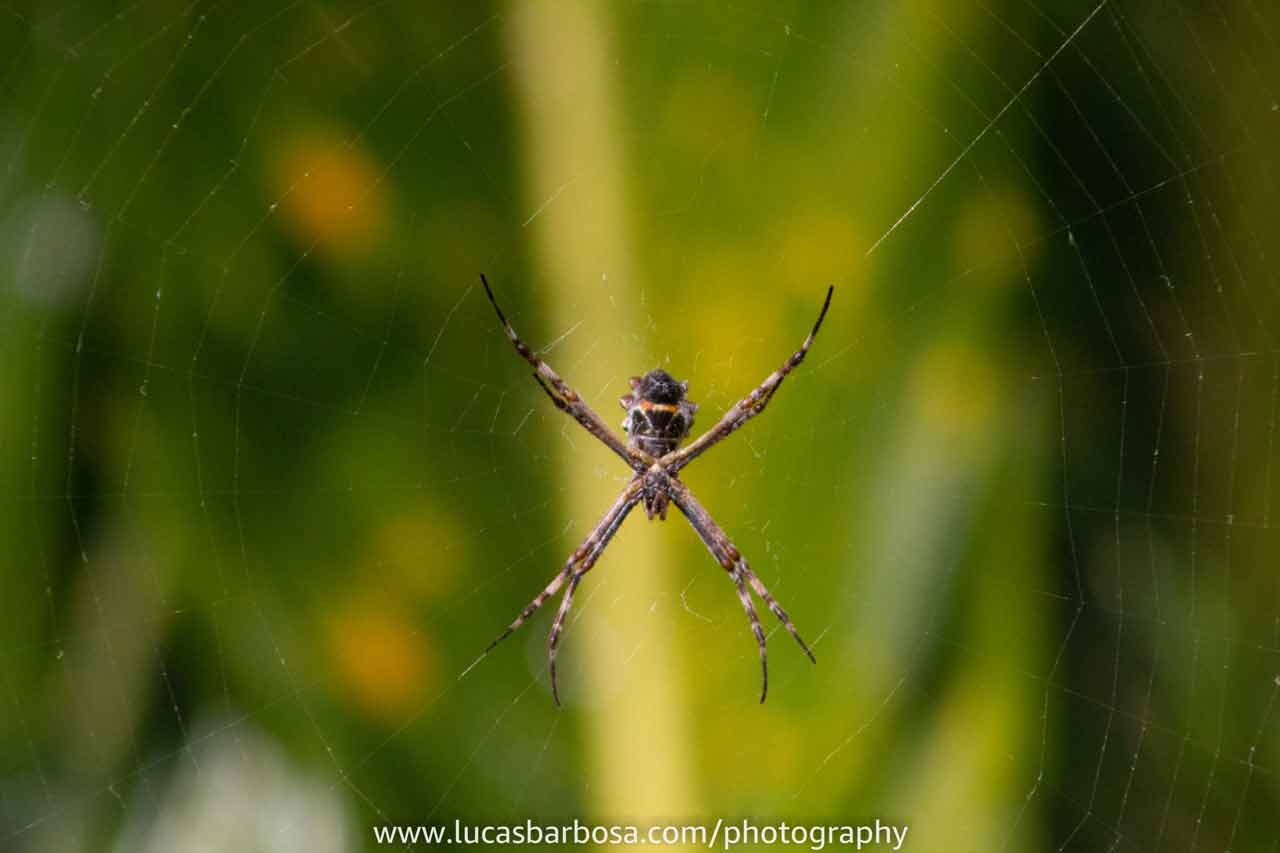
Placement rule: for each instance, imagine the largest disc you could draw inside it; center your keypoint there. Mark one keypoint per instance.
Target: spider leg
(614, 520)
(584, 557)
(538, 600)
(728, 556)
(746, 408)
(745, 598)
(772, 604)
(589, 550)
(553, 642)
(565, 398)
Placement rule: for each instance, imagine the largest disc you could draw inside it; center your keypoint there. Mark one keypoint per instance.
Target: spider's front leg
(564, 397)
(578, 564)
(724, 552)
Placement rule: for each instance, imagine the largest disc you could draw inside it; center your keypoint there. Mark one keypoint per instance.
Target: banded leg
(565, 398)
(728, 556)
(771, 602)
(589, 550)
(756, 628)
(553, 640)
(746, 408)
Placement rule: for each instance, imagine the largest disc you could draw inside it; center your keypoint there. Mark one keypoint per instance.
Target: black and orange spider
(658, 419)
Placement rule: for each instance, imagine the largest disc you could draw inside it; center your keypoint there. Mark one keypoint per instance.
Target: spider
(658, 418)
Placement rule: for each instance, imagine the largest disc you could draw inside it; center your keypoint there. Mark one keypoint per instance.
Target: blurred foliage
(272, 476)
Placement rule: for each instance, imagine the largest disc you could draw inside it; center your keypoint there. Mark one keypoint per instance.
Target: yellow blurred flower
(957, 390)
(418, 552)
(989, 233)
(735, 329)
(817, 248)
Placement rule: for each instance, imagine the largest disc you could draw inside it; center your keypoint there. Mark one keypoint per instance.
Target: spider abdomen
(658, 415)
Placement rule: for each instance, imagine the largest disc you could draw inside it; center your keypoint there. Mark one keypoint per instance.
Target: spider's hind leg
(564, 397)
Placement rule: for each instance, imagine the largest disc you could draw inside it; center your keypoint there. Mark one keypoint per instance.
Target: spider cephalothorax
(658, 419)
(658, 415)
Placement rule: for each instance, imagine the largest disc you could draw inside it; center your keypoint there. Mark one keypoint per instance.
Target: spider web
(273, 476)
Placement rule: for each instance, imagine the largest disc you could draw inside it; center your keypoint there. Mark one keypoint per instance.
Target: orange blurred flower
(329, 191)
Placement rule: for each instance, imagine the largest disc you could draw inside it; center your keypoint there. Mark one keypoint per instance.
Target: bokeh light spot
(956, 390)
(329, 192)
(419, 552)
(382, 661)
(995, 234)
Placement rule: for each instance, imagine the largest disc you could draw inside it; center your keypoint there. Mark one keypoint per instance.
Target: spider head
(658, 415)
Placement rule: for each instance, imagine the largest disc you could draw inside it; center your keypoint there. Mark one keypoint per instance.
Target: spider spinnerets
(658, 418)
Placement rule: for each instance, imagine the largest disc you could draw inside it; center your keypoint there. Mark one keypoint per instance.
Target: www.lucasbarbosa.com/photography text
(722, 835)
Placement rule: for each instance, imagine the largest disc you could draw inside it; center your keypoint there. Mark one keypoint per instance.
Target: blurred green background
(271, 476)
